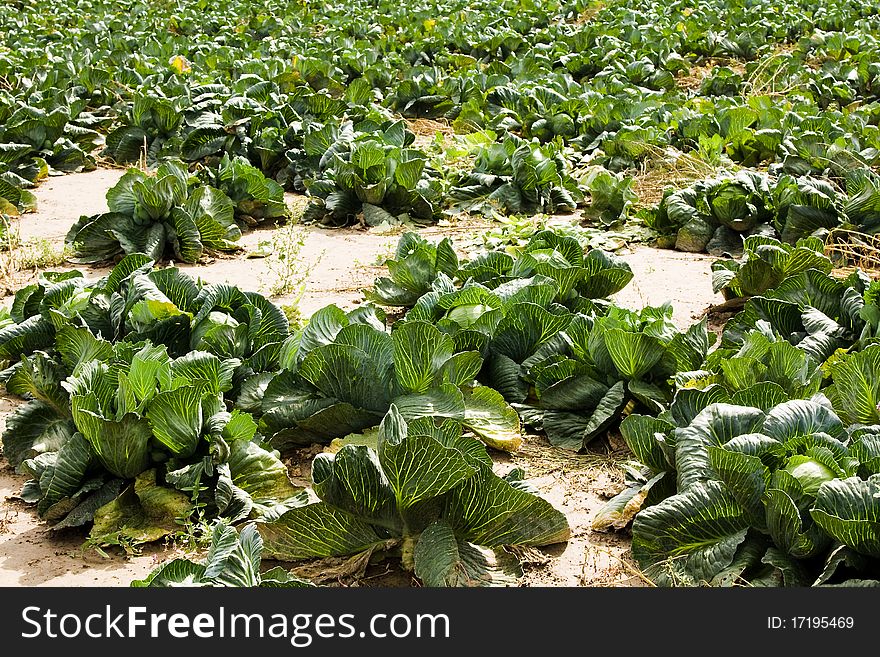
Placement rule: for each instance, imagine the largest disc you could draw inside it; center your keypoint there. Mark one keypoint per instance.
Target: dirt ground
(332, 266)
(31, 555)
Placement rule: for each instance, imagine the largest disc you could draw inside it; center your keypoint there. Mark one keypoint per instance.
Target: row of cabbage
(156, 399)
(763, 470)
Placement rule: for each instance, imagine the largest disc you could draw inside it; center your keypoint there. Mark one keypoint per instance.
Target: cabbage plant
(233, 559)
(341, 374)
(377, 176)
(774, 497)
(765, 263)
(127, 379)
(424, 493)
(128, 438)
(168, 214)
(518, 176)
(812, 310)
(579, 275)
(412, 270)
(156, 214)
(716, 214)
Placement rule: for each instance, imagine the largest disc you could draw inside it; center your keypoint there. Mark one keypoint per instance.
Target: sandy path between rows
(338, 264)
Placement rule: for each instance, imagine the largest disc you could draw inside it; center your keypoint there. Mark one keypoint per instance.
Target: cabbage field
(494, 398)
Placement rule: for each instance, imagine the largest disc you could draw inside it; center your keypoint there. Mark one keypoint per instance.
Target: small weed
(39, 254)
(7, 519)
(711, 151)
(386, 252)
(195, 535)
(117, 539)
(9, 241)
(17, 256)
(285, 263)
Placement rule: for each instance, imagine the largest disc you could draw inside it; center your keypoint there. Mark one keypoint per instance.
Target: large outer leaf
(564, 429)
(419, 467)
(524, 328)
(39, 377)
(445, 401)
(420, 351)
(126, 144)
(449, 434)
(689, 402)
(785, 570)
(744, 476)
(260, 474)
(689, 538)
(346, 373)
(121, 197)
(150, 367)
(77, 345)
(88, 505)
(186, 240)
(214, 215)
(33, 429)
(849, 510)
(504, 375)
(800, 417)
(220, 296)
(149, 239)
(122, 447)
(443, 560)
(233, 504)
(145, 512)
(204, 370)
(606, 412)
(18, 339)
(641, 434)
(60, 481)
(91, 239)
(175, 417)
(462, 368)
(373, 342)
(841, 556)
(715, 425)
(180, 288)
(294, 414)
(856, 388)
(234, 560)
(204, 141)
(633, 354)
(604, 275)
(316, 530)
(572, 393)
(487, 510)
(619, 511)
(491, 418)
(785, 525)
(177, 572)
(764, 395)
(353, 481)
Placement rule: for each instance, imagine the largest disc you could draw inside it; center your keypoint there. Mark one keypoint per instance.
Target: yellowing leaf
(180, 64)
(8, 208)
